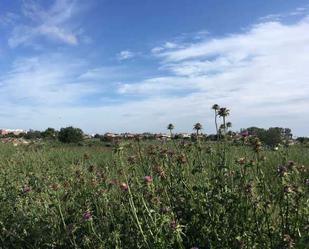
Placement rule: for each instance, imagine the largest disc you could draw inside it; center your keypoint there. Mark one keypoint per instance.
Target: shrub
(70, 135)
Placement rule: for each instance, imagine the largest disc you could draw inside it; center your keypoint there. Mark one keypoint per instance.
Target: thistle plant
(147, 194)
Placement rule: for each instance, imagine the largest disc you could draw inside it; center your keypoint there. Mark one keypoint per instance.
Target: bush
(70, 135)
(31, 134)
(49, 133)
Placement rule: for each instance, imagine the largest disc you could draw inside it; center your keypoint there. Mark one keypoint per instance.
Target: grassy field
(154, 195)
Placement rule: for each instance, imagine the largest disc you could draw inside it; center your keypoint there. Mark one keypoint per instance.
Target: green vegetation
(176, 194)
(228, 190)
(70, 135)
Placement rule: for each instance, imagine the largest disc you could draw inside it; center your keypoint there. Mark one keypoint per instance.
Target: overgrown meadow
(175, 194)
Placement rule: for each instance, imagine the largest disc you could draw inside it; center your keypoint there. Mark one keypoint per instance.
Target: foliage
(70, 135)
(33, 134)
(50, 133)
(303, 140)
(272, 136)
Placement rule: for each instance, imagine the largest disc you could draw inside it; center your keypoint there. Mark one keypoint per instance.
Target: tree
(224, 112)
(50, 133)
(170, 127)
(32, 134)
(272, 136)
(70, 135)
(216, 108)
(303, 140)
(197, 127)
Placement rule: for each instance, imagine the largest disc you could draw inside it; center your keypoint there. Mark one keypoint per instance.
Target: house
(9, 131)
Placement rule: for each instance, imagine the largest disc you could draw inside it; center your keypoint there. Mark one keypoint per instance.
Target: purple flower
(148, 179)
(26, 189)
(87, 215)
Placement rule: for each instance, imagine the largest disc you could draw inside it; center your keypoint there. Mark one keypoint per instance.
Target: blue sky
(137, 65)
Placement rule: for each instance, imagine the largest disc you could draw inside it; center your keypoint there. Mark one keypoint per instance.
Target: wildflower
(87, 215)
(124, 186)
(91, 168)
(160, 171)
(26, 189)
(148, 179)
(66, 184)
(241, 160)
(287, 189)
(55, 186)
(287, 240)
(163, 152)
(132, 159)
(248, 189)
(291, 165)
(181, 159)
(78, 173)
(170, 153)
(302, 168)
(257, 145)
(173, 224)
(86, 156)
(282, 170)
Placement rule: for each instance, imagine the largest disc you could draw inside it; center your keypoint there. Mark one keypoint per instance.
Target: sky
(138, 65)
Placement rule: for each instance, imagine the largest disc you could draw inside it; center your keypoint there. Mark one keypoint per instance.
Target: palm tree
(224, 112)
(216, 107)
(197, 127)
(170, 127)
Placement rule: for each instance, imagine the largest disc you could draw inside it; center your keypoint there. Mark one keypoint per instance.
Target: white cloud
(125, 55)
(260, 74)
(53, 23)
(50, 80)
(166, 45)
(301, 11)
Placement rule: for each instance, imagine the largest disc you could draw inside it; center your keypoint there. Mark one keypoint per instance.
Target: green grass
(57, 196)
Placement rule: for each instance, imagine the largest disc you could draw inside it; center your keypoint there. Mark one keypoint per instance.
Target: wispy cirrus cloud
(53, 23)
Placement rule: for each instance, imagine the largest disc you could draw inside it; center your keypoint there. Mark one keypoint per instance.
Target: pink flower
(147, 179)
(87, 215)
